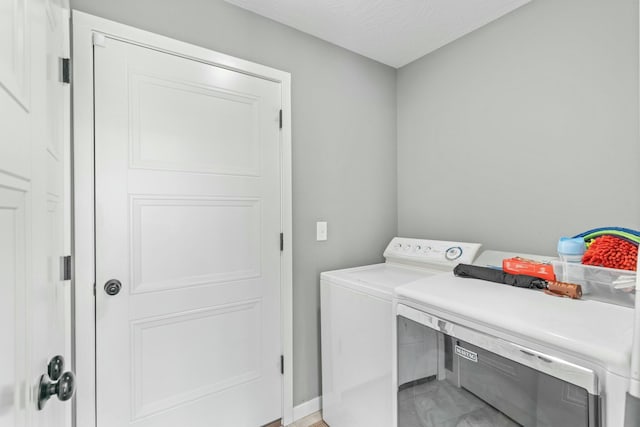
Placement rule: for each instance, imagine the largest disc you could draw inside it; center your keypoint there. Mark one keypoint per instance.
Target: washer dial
(453, 253)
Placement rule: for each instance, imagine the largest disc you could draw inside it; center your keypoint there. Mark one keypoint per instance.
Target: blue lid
(571, 246)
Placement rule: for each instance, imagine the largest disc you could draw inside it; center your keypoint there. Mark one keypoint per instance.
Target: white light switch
(321, 231)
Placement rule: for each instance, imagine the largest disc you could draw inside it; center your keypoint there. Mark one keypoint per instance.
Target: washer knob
(453, 253)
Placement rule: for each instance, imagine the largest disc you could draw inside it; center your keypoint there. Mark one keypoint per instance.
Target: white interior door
(187, 164)
(34, 144)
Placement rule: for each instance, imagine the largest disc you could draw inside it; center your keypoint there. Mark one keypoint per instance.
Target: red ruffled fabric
(611, 252)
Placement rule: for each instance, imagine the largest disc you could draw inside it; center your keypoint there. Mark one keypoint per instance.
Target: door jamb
(84, 27)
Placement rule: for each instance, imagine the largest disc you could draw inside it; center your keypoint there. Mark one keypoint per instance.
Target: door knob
(112, 287)
(64, 387)
(55, 368)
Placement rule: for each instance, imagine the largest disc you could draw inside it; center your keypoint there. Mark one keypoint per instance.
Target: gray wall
(344, 143)
(514, 135)
(525, 130)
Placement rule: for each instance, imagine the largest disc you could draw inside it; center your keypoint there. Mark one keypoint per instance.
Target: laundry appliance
(356, 329)
(632, 404)
(508, 356)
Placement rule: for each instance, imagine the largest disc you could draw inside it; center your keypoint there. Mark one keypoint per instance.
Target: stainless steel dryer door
(484, 381)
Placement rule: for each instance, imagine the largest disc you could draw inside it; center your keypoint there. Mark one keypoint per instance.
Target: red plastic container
(529, 267)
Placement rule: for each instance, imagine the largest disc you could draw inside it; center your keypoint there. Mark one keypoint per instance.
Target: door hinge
(281, 242)
(65, 268)
(94, 289)
(280, 119)
(65, 70)
(282, 364)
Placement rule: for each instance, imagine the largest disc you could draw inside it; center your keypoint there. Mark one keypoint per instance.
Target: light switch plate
(321, 231)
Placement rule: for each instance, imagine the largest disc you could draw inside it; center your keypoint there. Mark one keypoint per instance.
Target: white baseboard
(307, 408)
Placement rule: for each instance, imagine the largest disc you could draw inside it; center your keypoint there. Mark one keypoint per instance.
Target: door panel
(15, 50)
(188, 220)
(12, 305)
(237, 355)
(213, 241)
(34, 301)
(178, 125)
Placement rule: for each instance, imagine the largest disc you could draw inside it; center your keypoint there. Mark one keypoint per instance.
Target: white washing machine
(356, 330)
(511, 357)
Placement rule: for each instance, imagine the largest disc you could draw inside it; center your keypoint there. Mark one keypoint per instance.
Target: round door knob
(112, 287)
(63, 388)
(55, 368)
(66, 386)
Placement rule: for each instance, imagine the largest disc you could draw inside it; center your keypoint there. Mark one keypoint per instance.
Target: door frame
(84, 27)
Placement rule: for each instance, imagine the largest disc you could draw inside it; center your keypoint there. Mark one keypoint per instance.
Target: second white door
(188, 221)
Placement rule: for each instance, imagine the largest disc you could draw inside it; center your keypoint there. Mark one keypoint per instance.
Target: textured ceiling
(394, 32)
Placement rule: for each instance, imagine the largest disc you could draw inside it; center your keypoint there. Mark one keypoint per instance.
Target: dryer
(356, 329)
(511, 357)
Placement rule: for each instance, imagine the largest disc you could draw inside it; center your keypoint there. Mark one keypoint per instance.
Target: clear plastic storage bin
(599, 283)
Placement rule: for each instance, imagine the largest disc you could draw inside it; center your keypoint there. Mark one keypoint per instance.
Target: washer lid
(591, 330)
(377, 279)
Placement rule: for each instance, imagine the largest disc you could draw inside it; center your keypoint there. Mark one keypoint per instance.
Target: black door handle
(63, 385)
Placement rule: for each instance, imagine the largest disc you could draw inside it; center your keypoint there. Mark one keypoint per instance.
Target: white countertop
(592, 330)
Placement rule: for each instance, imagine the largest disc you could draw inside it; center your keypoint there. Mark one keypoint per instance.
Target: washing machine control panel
(424, 251)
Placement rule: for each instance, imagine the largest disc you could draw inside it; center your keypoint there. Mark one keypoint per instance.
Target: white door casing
(34, 200)
(53, 313)
(189, 225)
